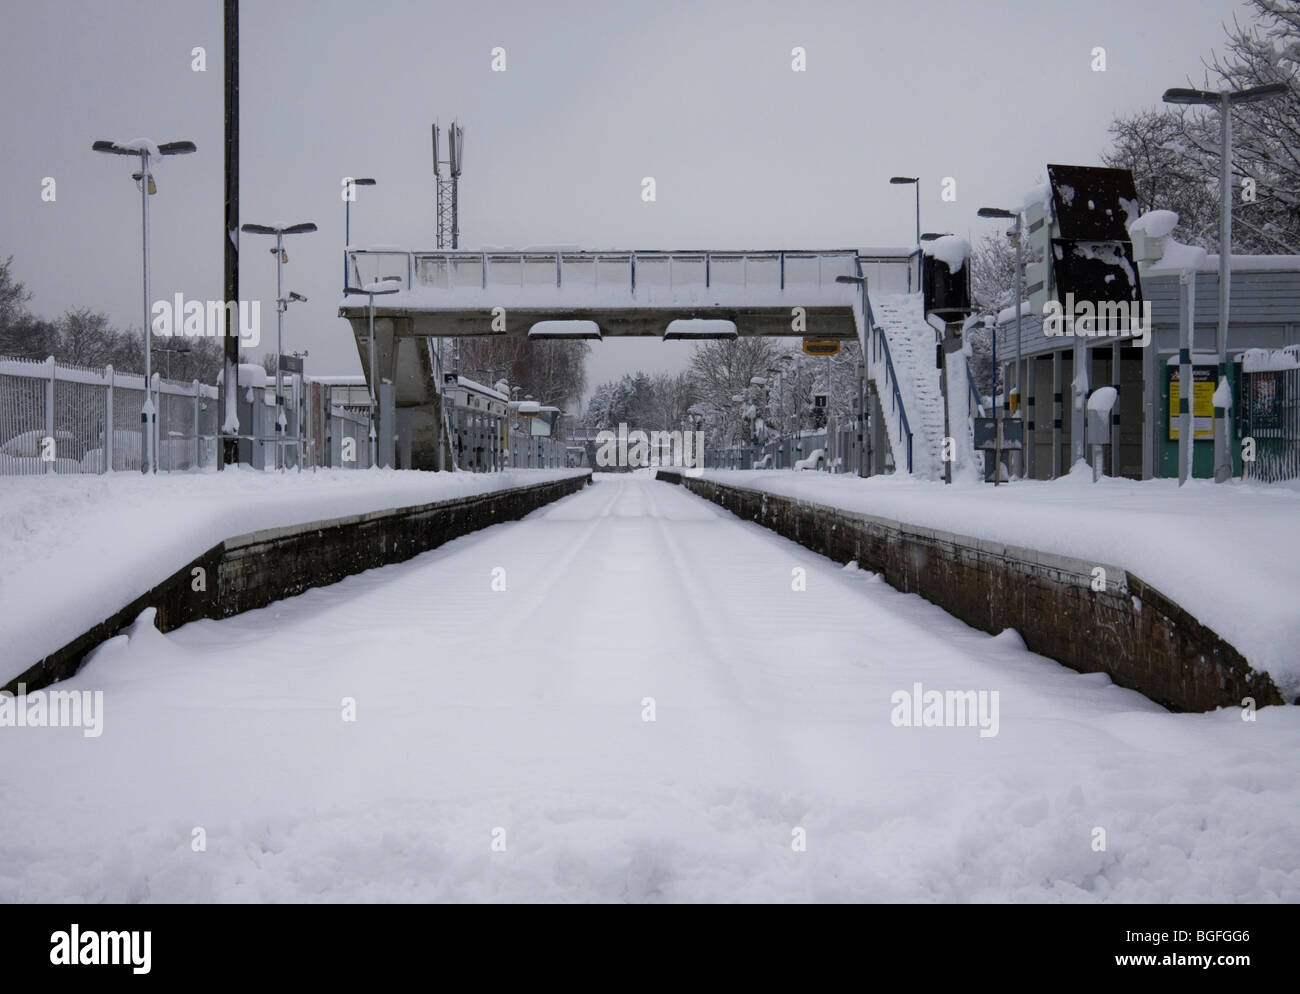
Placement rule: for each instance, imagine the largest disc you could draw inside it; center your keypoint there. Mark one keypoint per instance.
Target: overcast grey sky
(746, 153)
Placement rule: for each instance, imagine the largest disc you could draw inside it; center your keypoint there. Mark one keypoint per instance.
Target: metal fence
(66, 419)
(1270, 415)
(347, 439)
(536, 452)
(806, 451)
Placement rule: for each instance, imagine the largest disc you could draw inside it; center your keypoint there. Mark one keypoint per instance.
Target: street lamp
(281, 305)
(349, 195)
(1224, 101)
(146, 150)
(373, 290)
(920, 266)
(997, 212)
(181, 348)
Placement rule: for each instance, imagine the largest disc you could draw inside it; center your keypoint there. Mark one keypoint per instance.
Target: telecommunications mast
(448, 215)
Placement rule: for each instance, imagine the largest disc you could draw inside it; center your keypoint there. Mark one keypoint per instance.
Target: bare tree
(1266, 135)
(550, 372)
(1153, 146)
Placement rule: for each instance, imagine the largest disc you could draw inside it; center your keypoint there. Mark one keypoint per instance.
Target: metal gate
(1270, 425)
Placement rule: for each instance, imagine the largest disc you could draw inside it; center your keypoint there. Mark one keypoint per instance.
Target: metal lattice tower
(448, 218)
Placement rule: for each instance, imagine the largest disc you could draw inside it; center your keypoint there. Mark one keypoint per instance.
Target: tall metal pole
(830, 438)
(1186, 379)
(920, 256)
(997, 422)
(371, 411)
(228, 401)
(1020, 386)
(147, 414)
(945, 349)
(347, 232)
(918, 212)
(1222, 459)
(280, 306)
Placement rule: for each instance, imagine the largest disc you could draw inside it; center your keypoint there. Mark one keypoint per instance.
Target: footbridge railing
(879, 346)
(611, 273)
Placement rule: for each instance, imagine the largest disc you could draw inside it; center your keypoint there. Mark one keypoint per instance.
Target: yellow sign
(1203, 383)
(821, 348)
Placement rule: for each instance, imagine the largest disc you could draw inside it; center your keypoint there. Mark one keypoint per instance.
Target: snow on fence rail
(67, 419)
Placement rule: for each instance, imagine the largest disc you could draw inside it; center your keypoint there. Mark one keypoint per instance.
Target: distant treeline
(84, 337)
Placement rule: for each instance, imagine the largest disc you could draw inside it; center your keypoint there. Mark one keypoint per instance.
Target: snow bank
(479, 710)
(1227, 553)
(74, 549)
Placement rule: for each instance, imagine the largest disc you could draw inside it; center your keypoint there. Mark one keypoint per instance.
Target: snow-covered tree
(1266, 134)
(1174, 153)
(722, 370)
(1152, 145)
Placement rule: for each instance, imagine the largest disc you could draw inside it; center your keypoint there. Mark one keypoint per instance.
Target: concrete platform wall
(251, 571)
(1129, 630)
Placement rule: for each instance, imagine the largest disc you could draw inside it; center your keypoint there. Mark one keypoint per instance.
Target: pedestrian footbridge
(813, 294)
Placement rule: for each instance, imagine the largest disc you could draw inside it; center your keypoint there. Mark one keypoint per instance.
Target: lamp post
(920, 263)
(281, 305)
(349, 195)
(146, 150)
(372, 290)
(861, 282)
(997, 212)
(1224, 101)
(694, 417)
(169, 350)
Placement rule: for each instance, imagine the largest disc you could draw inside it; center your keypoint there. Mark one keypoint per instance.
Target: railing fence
(57, 418)
(1270, 415)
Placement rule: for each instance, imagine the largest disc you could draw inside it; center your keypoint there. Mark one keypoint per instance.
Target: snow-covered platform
(76, 549)
(1228, 554)
(649, 711)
